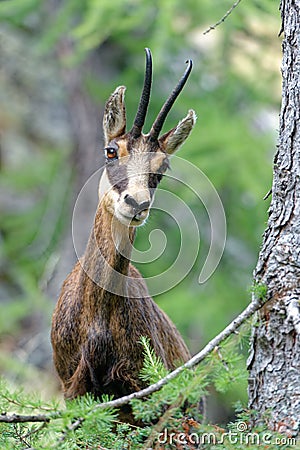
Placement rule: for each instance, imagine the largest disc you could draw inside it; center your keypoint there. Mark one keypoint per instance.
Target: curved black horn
(159, 121)
(145, 97)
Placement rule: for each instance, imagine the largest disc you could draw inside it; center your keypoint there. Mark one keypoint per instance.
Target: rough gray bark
(274, 361)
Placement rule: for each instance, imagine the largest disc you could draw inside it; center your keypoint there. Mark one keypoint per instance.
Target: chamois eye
(111, 153)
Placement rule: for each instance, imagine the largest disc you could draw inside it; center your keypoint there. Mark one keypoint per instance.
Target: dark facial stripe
(117, 175)
(155, 178)
(118, 178)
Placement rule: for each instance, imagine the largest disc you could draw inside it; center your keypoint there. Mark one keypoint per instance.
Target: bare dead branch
(73, 427)
(18, 418)
(254, 306)
(195, 360)
(212, 27)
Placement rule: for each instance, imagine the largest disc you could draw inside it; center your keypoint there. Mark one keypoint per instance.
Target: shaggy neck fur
(106, 259)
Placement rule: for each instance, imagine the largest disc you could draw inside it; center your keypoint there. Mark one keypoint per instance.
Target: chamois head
(135, 161)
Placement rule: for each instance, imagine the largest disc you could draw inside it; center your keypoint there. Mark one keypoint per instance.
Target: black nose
(138, 207)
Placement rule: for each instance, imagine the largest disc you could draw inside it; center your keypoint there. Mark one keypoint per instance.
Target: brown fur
(95, 334)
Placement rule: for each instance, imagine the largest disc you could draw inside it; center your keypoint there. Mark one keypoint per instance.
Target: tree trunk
(274, 361)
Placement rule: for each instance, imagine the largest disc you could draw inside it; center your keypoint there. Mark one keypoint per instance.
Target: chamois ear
(174, 138)
(114, 119)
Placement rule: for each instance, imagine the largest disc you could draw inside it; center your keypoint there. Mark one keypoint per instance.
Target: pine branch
(18, 418)
(212, 27)
(162, 423)
(73, 427)
(254, 306)
(195, 360)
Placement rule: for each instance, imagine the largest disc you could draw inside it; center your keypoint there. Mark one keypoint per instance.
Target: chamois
(104, 306)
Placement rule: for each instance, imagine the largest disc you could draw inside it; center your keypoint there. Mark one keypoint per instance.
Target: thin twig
(162, 423)
(268, 194)
(20, 436)
(28, 406)
(36, 430)
(217, 349)
(73, 427)
(212, 27)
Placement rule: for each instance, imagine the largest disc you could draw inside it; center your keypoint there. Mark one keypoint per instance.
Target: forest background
(59, 63)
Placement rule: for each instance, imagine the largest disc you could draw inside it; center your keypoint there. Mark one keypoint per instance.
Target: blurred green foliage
(235, 90)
